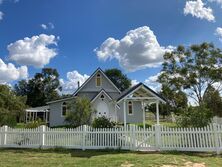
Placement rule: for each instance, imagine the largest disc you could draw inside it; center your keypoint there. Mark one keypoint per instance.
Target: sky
(77, 37)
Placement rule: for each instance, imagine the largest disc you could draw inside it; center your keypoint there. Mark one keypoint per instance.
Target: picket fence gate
(132, 137)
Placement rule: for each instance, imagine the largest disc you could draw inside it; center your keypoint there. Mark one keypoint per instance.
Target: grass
(102, 158)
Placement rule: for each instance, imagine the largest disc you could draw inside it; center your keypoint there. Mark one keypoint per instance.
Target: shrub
(79, 112)
(7, 118)
(102, 122)
(34, 124)
(199, 116)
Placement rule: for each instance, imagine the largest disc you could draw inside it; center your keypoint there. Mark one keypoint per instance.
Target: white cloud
(218, 32)
(8, 72)
(1, 15)
(134, 82)
(71, 83)
(139, 49)
(48, 26)
(152, 82)
(197, 9)
(44, 26)
(33, 51)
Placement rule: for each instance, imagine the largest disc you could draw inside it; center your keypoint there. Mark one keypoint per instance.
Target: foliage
(176, 101)
(213, 101)
(35, 124)
(118, 78)
(7, 118)
(12, 107)
(102, 122)
(192, 69)
(198, 116)
(40, 89)
(79, 112)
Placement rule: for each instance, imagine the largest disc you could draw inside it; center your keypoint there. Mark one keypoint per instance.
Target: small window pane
(64, 109)
(130, 108)
(98, 80)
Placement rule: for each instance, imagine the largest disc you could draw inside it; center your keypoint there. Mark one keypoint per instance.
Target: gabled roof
(38, 109)
(128, 91)
(100, 92)
(64, 99)
(100, 70)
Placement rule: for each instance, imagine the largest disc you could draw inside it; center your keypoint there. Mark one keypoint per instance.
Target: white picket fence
(130, 138)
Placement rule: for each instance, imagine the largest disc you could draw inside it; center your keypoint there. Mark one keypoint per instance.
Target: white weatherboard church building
(125, 107)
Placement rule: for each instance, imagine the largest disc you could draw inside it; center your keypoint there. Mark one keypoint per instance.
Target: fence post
(157, 135)
(84, 138)
(5, 130)
(42, 135)
(134, 137)
(216, 138)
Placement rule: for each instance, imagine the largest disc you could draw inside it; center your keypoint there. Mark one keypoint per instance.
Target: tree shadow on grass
(92, 153)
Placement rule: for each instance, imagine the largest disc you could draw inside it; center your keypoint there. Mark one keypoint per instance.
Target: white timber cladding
(131, 137)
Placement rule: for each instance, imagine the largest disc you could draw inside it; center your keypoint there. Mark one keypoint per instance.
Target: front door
(102, 109)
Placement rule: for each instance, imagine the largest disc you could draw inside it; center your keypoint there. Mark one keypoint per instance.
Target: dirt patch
(127, 164)
(188, 164)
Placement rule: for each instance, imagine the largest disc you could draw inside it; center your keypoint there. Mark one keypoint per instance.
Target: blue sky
(78, 27)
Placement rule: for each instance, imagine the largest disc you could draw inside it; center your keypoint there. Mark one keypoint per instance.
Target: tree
(176, 102)
(192, 70)
(213, 101)
(40, 89)
(118, 78)
(12, 107)
(79, 112)
(198, 116)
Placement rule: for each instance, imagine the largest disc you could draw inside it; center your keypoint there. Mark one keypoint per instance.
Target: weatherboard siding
(90, 86)
(136, 117)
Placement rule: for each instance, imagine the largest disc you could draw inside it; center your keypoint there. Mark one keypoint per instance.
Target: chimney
(78, 84)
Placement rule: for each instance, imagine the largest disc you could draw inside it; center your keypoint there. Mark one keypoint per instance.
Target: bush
(199, 116)
(35, 124)
(102, 122)
(79, 112)
(7, 118)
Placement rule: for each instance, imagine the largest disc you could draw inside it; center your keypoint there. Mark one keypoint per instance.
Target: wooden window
(130, 108)
(98, 80)
(64, 109)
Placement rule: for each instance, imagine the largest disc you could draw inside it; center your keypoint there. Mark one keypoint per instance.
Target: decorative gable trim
(98, 70)
(138, 86)
(102, 91)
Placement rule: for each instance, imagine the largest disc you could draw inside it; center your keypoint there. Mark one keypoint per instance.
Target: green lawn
(75, 158)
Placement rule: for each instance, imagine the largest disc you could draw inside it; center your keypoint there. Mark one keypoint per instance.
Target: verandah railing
(132, 137)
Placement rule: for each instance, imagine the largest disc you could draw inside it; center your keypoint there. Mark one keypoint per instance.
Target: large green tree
(41, 88)
(12, 107)
(192, 70)
(118, 78)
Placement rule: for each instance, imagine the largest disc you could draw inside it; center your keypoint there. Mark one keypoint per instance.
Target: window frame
(98, 77)
(64, 104)
(130, 104)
